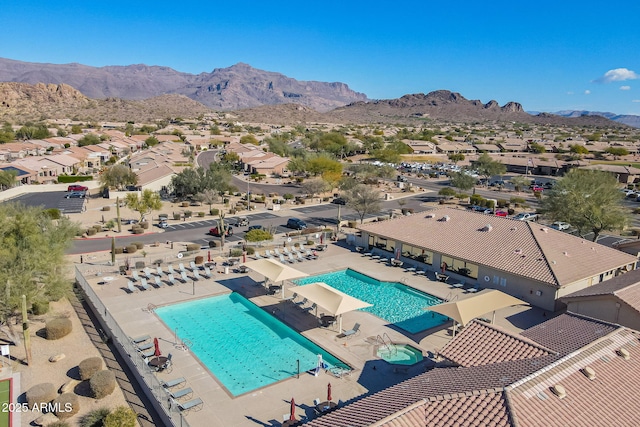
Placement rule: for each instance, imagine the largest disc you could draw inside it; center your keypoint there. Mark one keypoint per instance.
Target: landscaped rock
(41, 393)
(69, 386)
(46, 419)
(57, 357)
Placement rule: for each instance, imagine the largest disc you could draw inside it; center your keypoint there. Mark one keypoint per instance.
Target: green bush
(95, 418)
(176, 216)
(122, 416)
(201, 214)
(102, 384)
(193, 247)
(138, 245)
(53, 213)
(310, 242)
(63, 402)
(250, 251)
(41, 393)
(106, 208)
(235, 252)
(187, 214)
(39, 307)
(213, 244)
(144, 225)
(91, 231)
(119, 250)
(88, 367)
(131, 249)
(58, 328)
(184, 204)
(352, 224)
(98, 227)
(214, 211)
(502, 203)
(65, 179)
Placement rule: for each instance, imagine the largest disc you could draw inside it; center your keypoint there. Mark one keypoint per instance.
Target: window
(460, 267)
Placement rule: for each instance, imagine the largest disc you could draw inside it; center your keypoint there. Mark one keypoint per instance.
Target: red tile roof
(482, 344)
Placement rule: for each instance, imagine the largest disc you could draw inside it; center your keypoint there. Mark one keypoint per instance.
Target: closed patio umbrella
(156, 344)
(292, 415)
(329, 398)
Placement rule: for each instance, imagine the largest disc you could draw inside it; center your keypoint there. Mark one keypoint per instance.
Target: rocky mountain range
(235, 87)
(627, 119)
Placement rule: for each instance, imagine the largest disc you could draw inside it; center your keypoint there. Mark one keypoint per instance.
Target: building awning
(274, 270)
(331, 299)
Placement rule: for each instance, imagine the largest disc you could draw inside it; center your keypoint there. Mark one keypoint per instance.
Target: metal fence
(144, 374)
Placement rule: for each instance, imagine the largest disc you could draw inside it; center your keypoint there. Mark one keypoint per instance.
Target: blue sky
(548, 56)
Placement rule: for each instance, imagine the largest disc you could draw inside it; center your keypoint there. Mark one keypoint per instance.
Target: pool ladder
(380, 340)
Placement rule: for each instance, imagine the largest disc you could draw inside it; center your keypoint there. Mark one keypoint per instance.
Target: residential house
(624, 174)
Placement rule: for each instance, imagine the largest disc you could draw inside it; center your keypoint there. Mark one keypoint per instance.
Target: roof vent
(517, 251)
(589, 373)
(565, 253)
(430, 215)
(545, 229)
(624, 353)
(487, 228)
(445, 218)
(514, 228)
(559, 391)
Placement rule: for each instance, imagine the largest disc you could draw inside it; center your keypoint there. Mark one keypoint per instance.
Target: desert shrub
(95, 418)
(235, 252)
(310, 242)
(199, 259)
(106, 208)
(53, 213)
(176, 216)
(201, 214)
(131, 249)
(193, 247)
(119, 250)
(58, 328)
(187, 214)
(89, 366)
(98, 227)
(122, 416)
(251, 251)
(102, 384)
(352, 224)
(63, 402)
(144, 225)
(502, 203)
(214, 211)
(138, 245)
(213, 243)
(184, 204)
(41, 393)
(91, 231)
(39, 307)
(137, 230)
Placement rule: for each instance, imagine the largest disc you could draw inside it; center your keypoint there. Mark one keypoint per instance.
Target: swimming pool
(242, 345)
(392, 301)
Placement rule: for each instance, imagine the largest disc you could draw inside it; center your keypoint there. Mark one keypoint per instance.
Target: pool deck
(266, 406)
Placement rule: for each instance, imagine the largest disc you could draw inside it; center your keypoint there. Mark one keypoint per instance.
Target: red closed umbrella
(244, 257)
(157, 352)
(208, 256)
(292, 415)
(329, 398)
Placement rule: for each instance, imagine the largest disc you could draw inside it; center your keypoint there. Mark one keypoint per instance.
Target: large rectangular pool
(242, 345)
(399, 304)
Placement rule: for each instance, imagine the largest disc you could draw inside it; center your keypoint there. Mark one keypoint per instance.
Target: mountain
(627, 119)
(22, 101)
(236, 87)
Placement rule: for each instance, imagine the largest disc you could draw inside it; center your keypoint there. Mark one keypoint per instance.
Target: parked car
(537, 188)
(241, 221)
(401, 178)
(75, 195)
(216, 231)
(163, 224)
(559, 225)
(524, 216)
(501, 213)
(339, 201)
(296, 224)
(76, 187)
(255, 227)
(497, 183)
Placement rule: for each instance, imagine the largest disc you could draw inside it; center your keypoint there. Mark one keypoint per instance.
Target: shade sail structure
(465, 310)
(331, 299)
(274, 270)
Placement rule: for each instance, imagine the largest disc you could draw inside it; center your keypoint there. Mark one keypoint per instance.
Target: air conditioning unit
(539, 293)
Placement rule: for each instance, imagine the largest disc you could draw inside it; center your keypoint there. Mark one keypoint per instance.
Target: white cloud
(636, 100)
(587, 92)
(569, 93)
(625, 87)
(617, 75)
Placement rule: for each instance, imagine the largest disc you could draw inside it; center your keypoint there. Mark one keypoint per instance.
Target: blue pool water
(242, 345)
(392, 301)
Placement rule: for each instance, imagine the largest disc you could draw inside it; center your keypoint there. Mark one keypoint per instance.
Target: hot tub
(400, 354)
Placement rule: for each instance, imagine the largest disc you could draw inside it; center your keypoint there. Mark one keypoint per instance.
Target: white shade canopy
(331, 299)
(465, 310)
(274, 270)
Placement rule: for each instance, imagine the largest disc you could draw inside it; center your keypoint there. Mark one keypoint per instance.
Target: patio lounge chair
(145, 346)
(207, 272)
(143, 283)
(301, 303)
(171, 279)
(179, 394)
(159, 271)
(181, 267)
(300, 258)
(148, 353)
(286, 251)
(183, 275)
(131, 288)
(423, 271)
(277, 252)
(351, 332)
(196, 275)
(310, 254)
(171, 270)
(159, 283)
(142, 338)
(283, 260)
(193, 266)
(134, 276)
(310, 308)
(176, 382)
(257, 256)
(410, 268)
(147, 272)
(291, 258)
(192, 405)
(268, 254)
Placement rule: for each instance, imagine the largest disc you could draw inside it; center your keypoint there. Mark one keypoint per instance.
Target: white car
(559, 225)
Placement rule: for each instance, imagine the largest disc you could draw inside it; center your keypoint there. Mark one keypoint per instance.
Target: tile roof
(569, 332)
(482, 344)
(518, 247)
(610, 399)
(611, 286)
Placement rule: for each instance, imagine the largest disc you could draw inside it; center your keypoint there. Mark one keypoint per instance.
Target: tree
(363, 199)
(537, 148)
(519, 182)
(209, 197)
(89, 139)
(7, 179)
(320, 164)
(447, 192)
(6, 133)
(313, 186)
(249, 139)
(578, 149)
(32, 256)
(122, 416)
(118, 176)
(462, 181)
(587, 199)
(151, 141)
(456, 157)
(617, 151)
(487, 167)
(386, 155)
(144, 204)
(257, 235)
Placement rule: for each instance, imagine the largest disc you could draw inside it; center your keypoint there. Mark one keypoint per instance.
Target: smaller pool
(400, 354)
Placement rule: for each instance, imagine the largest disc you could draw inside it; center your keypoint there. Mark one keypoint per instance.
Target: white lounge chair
(181, 267)
(147, 272)
(193, 266)
(299, 257)
(171, 270)
(268, 254)
(207, 272)
(310, 254)
(353, 331)
(159, 271)
(174, 382)
(196, 275)
(291, 259)
(131, 287)
(192, 405)
(171, 279)
(283, 260)
(159, 282)
(134, 276)
(256, 255)
(138, 340)
(144, 284)
(184, 277)
(277, 252)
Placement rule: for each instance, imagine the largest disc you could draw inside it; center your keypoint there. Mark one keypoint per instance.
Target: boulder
(57, 357)
(46, 419)
(69, 386)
